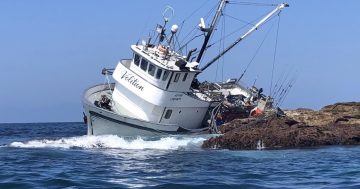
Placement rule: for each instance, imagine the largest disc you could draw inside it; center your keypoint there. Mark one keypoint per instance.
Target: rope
(213, 127)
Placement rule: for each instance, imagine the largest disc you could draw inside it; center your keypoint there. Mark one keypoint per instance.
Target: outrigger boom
(254, 28)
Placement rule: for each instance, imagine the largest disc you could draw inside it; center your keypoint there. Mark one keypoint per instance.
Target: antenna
(168, 13)
(202, 25)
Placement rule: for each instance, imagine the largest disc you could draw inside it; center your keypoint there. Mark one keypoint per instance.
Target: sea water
(60, 155)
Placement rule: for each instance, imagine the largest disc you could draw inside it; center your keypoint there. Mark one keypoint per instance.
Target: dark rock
(348, 112)
(337, 124)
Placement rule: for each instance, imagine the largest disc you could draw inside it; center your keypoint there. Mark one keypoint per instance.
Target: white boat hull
(105, 122)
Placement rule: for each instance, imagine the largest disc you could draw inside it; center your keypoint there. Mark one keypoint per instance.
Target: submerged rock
(337, 124)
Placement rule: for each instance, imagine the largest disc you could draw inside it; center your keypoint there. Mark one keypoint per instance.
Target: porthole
(168, 114)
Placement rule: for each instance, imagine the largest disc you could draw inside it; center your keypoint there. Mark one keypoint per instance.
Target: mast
(211, 28)
(253, 29)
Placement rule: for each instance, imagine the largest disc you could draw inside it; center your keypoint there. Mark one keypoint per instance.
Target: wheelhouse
(160, 71)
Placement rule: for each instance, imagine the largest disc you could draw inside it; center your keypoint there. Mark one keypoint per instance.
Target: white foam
(111, 141)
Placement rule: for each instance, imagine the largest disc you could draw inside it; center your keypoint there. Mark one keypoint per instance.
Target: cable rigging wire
(275, 52)
(256, 52)
(195, 11)
(251, 3)
(194, 31)
(221, 48)
(240, 20)
(240, 28)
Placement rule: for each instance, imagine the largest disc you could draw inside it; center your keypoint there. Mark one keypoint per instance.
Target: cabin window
(185, 76)
(158, 73)
(151, 69)
(177, 76)
(166, 75)
(143, 64)
(136, 59)
(168, 114)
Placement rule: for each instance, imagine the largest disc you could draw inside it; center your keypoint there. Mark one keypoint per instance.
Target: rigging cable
(281, 81)
(256, 52)
(277, 92)
(240, 20)
(251, 3)
(275, 52)
(286, 91)
(183, 22)
(221, 48)
(237, 30)
(193, 31)
(277, 84)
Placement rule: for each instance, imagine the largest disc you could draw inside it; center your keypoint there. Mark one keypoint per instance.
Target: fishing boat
(157, 92)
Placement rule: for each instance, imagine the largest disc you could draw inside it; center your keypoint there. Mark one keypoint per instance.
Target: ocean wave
(114, 142)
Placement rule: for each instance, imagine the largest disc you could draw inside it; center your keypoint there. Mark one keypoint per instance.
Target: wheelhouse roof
(157, 57)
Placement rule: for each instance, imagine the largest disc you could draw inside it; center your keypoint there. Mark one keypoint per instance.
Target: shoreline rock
(337, 124)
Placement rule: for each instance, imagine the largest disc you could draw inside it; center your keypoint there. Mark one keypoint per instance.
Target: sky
(51, 51)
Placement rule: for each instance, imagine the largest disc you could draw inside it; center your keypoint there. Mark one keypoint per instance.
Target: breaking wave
(114, 142)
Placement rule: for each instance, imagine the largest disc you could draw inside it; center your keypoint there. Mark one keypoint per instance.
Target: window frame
(141, 64)
(153, 69)
(157, 76)
(137, 63)
(166, 75)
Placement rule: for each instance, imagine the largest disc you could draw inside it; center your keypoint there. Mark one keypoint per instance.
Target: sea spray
(115, 142)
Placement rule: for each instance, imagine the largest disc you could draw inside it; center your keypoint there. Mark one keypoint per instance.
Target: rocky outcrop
(346, 113)
(337, 124)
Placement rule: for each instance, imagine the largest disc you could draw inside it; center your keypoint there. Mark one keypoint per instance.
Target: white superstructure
(152, 87)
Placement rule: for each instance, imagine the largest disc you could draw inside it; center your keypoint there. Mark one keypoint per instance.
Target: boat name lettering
(177, 97)
(132, 80)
